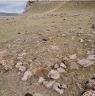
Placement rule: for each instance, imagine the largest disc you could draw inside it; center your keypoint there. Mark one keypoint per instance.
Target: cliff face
(40, 6)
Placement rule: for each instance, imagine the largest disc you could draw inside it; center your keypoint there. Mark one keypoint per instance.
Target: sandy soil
(47, 39)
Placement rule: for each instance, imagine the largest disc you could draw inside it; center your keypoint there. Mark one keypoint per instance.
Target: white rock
(61, 70)
(48, 84)
(63, 65)
(85, 44)
(54, 47)
(22, 54)
(19, 73)
(73, 65)
(86, 62)
(64, 86)
(41, 80)
(90, 52)
(56, 66)
(54, 74)
(74, 56)
(22, 68)
(89, 93)
(18, 64)
(91, 57)
(27, 75)
(81, 40)
(56, 87)
(72, 37)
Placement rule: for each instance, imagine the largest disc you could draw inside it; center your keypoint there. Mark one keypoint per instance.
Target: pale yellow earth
(63, 25)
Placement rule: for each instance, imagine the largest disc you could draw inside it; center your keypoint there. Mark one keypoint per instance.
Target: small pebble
(73, 65)
(74, 56)
(81, 40)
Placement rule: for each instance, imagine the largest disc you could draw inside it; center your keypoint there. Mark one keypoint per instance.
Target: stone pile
(52, 84)
(89, 93)
(89, 88)
(6, 60)
(85, 62)
(53, 75)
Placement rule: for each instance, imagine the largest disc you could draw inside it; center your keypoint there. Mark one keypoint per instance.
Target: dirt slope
(46, 34)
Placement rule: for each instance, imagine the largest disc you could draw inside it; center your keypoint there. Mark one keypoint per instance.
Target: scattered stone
(65, 60)
(56, 66)
(18, 64)
(74, 56)
(91, 57)
(22, 54)
(88, 93)
(3, 54)
(7, 64)
(22, 68)
(41, 72)
(90, 83)
(93, 26)
(54, 74)
(81, 40)
(41, 80)
(48, 84)
(27, 75)
(64, 86)
(45, 39)
(18, 33)
(72, 37)
(61, 70)
(64, 35)
(85, 44)
(90, 52)
(28, 94)
(79, 85)
(89, 40)
(85, 62)
(59, 87)
(54, 47)
(73, 65)
(63, 65)
(19, 73)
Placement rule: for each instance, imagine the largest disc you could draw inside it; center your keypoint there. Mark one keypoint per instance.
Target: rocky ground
(50, 54)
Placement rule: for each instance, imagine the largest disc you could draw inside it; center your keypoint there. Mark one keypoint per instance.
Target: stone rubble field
(50, 54)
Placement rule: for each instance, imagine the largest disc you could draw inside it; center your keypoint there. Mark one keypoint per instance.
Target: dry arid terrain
(48, 50)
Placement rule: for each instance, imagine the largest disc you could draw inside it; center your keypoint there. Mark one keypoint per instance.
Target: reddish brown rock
(41, 72)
